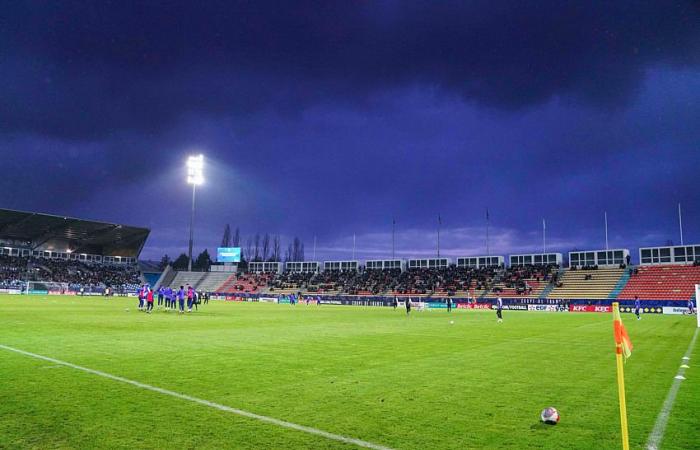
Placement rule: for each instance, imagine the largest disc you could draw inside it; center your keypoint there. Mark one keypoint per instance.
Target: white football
(550, 416)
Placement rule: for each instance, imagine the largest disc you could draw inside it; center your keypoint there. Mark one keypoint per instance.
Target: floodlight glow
(195, 170)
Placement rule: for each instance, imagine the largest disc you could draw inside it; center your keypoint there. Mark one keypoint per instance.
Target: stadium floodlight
(195, 170)
(195, 177)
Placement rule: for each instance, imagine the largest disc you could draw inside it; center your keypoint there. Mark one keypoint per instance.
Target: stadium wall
(515, 304)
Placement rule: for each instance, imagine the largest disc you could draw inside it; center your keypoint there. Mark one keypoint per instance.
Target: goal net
(44, 287)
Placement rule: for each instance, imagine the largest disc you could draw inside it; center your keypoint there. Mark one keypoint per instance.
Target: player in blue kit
(637, 307)
(181, 298)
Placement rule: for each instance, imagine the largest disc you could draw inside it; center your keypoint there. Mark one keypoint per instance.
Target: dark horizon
(332, 119)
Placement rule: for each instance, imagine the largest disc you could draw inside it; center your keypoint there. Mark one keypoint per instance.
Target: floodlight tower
(195, 177)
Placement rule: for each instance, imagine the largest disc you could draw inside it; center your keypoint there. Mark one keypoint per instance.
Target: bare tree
(265, 251)
(226, 240)
(297, 250)
(276, 250)
(256, 248)
(288, 254)
(236, 241)
(249, 249)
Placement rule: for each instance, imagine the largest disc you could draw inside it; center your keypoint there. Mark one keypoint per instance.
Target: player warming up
(408, 307)
(181, 299)
(499, 309)
(637, 307)
(149, 301)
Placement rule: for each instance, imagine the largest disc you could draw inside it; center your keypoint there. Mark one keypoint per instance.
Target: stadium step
(621, 283)
(550, 286)
(166, 277)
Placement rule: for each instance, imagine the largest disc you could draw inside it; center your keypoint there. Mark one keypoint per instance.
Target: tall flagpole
(393, 238)
(314, 248)
(353, 246)
(438, 236)
(488, 250)
(680, 222)
(544, 237)
(606, 230)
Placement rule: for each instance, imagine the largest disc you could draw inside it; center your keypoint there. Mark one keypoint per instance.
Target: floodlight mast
(195, 177)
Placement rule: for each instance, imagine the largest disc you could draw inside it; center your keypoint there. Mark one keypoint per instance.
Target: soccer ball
(452, 322)
(550, 416)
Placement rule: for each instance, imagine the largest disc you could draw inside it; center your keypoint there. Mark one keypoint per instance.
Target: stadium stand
(675, 282)
(150, 271)
(68, 254)
(290, 282)
(522, 281)
(246, 282)
(211, 281)
(587, 284)
(443, 282)
(183, 278)
(70, 275)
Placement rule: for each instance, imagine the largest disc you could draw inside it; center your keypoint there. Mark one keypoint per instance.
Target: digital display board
(228, 254)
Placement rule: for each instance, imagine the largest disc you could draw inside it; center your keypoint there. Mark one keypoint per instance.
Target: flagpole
(606, 230)
(488, 220)
(544, 237)
(621, 379)
(314, 248)
(680, 222)
(393, 238)
(438, 236)
(353, 246)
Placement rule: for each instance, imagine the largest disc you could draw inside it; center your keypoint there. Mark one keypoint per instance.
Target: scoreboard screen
(228, 254)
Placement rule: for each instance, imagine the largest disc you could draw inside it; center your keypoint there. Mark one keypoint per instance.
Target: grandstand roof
(59, 233)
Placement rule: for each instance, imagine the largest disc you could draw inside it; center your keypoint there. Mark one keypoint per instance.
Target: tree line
(255, 248)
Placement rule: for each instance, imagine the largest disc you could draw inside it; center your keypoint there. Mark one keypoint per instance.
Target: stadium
(306, 349)
(446, 225)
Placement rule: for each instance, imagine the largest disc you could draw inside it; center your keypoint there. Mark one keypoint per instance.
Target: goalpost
(43, 287)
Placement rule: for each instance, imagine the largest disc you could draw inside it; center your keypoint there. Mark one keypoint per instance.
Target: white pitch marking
(657, 434)
(239, 412)
(685, 366)
(685, 358)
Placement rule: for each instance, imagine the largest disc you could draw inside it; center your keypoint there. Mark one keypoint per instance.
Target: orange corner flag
(623, 346)
(622, 339)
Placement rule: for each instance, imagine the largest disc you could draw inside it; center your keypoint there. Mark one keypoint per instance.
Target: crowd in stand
(12, 269)
(520, 277)
(447, 281)
(290, 280)
(76, 275)
(251, 282)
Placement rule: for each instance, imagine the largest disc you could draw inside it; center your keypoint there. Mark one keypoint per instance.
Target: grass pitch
(366, 373)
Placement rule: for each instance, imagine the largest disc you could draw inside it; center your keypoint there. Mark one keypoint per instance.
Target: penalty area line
(657, 434)
(236, 411)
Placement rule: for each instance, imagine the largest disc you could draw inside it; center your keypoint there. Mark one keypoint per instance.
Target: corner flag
(623, 345)
(622, 339)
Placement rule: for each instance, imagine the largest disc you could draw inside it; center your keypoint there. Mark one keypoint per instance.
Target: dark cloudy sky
(329, 118)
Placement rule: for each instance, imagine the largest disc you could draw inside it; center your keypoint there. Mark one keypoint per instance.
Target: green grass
(367, 373)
